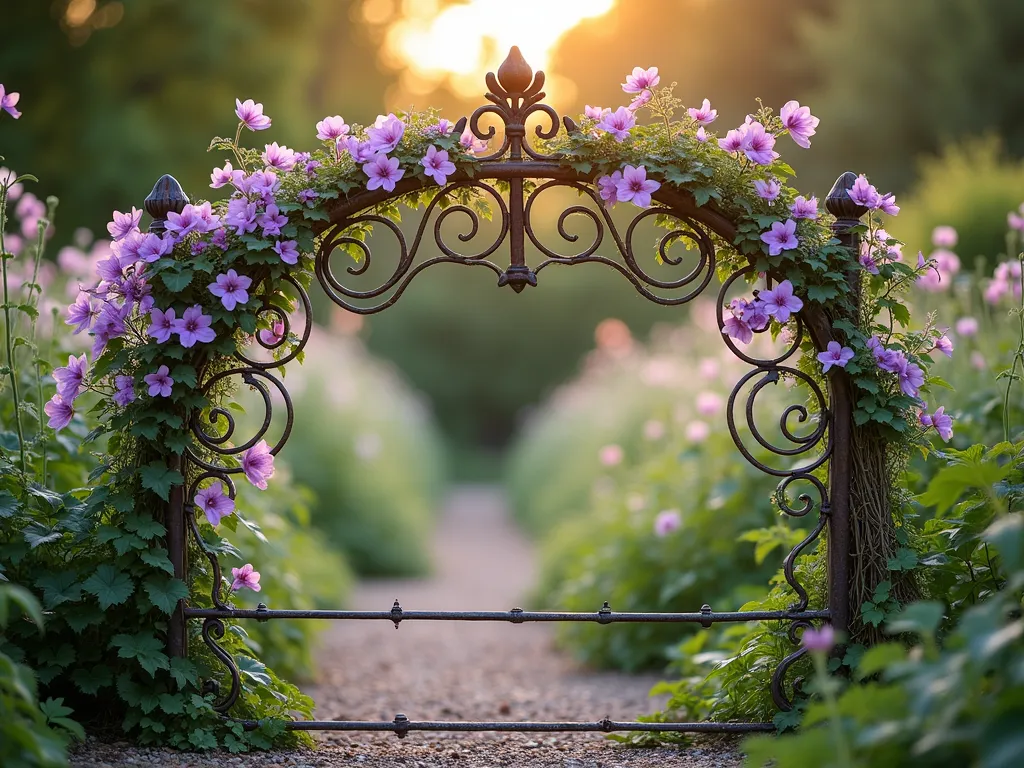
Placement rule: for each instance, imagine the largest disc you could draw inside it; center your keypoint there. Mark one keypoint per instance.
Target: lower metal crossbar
(402, 725)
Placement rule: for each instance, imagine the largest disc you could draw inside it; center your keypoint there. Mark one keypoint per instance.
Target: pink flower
(160, 383)
(154, 247)
(781, 237)
(331, 128)
(442, 127)
(705, 115)
(71, 378)
(944, 237)
(272, 221)
(804, 208)
(799, 122)
(193, 218)
(780, 301)
(701, 135)
(635, 187)
(258, 464)
(887, 204)
(123, 223)
(617, 123)
(737, 328)
(241, 215)
(288, 250)
(252, 115)
(231, 288)
(767, 190)
(666, 522)
(708, 403)
(437, 166)
(193, 326)
(222, 176)
(966, 327)
(161, 324)
(641, 79)
(245, 577)
(124, 390)
(1014, 221)
(385, 133)
(945, 345)
(836, 354)
(755, 314)
(594, 113)
(214, 503)
(820, 640)
(611, 455)
(942, 422)
(608, 188)
(264, 183)
(361, 151)
(864, 193)
(640, 100)
(697, 431)
(868, 261)
(8, 100)
(281, 158)
(471, 143)
(59, 411)
(733, 141)
(911, 378)
(274, 335)
(757, 145)
(383, 172)
(921, 263)
(82, 312)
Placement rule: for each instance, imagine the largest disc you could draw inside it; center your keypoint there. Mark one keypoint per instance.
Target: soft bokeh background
(925, 96)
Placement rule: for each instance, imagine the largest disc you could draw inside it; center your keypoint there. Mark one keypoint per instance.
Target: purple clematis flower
(231, 287)
(161, 324)
(383, 171)
(641, 79)
(288, 250)
(82, 313)
(214, 503)
(437, 166)
(666, 522)
(307, 196)
(736, 328)
(634, 186)
(154, 247)
(193, 218)
(124, 390)
(943, 423)
(701, 135)
(836, 355)
(755, 315)
(241, 215)
(864, 193)
(442, 127)
(803, 208)
(607, 188)
(779, 302)
(245, 577)
(471, 143)
(258, 464)
(799, 122)
(781, 237)
(332, 128)
(704, 115)
(160, 383)
(222, 176)
(820, 640)
(264, 183)
(59, 411)
(733, 141)
(9, 101)
(281, 158)
(594, 113)
(945, 345)
(385, 133)
(252, 115)
(618, 123)
(757, 145)
(639, 100)
(272, 221)
(124, 223)
(911, 377)
(361, 151)
(193, 326)
(887, 204)
(71, 377)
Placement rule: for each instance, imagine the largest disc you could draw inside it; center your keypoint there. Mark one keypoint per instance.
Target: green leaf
(1007, 536)
(158, 559)
(905, 560)
(36, 535)
(165, 592)
(59, 587)
(110, 585)
(921, 618)
(9, 505)
(253, 669)
(172, 704)
(146, 527)
(821, 293)
(184, 672)
(203, 739)
(176, 282)
(91, 680)
(879, 657)
(144, 648)
(952, 482)
(158, 478)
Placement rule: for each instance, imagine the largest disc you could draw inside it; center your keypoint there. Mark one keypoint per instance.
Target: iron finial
(515, 74)
(167, 196)
(840, 204)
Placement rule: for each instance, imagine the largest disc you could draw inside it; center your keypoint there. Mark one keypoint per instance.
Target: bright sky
(454, 44)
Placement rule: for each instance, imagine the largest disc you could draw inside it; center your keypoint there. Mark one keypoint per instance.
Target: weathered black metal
(515, 94)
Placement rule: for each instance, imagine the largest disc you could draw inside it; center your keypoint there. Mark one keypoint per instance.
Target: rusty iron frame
(514, 95)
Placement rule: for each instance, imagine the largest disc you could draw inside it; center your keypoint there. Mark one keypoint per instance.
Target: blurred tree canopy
(115, 94)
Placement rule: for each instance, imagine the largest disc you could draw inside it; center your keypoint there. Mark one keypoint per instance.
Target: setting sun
(452, 45)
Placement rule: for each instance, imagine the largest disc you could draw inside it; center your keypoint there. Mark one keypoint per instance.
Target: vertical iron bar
(848, 215)
(168, 196)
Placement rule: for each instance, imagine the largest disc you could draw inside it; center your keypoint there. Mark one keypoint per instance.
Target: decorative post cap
(840, 204)
(514, 74)
(167, 196)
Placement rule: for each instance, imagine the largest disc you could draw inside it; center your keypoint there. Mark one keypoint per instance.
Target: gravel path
(458, 671)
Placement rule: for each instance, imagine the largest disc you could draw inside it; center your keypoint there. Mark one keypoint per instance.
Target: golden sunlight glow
(453, 44)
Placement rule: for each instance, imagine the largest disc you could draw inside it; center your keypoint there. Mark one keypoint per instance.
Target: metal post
(168, 196)
(848, 215)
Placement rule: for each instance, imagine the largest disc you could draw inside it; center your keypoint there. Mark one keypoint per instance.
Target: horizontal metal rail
(515, 616)
(402, 725)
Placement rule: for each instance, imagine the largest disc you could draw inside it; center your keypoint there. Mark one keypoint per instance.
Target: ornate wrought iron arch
(515, 94)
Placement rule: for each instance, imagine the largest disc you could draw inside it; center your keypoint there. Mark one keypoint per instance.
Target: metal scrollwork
(213, 630)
